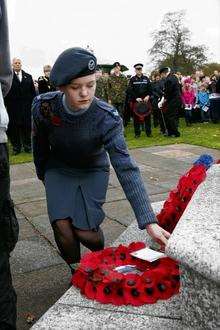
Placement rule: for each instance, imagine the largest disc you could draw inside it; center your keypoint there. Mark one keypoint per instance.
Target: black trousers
(8, 298)
(20, 136)
(137, 125)
(171, 118)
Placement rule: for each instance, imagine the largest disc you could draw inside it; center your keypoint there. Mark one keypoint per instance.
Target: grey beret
(71, 64)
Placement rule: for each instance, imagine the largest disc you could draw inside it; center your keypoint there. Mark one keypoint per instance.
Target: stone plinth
(195, 242)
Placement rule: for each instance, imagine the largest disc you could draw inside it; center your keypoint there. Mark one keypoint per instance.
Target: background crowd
(158, 100)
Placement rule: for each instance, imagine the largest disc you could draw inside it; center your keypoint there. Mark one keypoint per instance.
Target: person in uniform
(18, 103)
(117, 85)
(172, 99)
(101, 86)
(140, 91)
(44, 84)
(73, 132)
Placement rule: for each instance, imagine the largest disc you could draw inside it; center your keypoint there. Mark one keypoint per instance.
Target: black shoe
(16, 152)
(177, 134)
(28, 150)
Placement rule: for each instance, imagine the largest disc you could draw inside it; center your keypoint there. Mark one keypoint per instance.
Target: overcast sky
(117, 30)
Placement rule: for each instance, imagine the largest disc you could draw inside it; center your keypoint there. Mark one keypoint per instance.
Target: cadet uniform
(44, 85)
(70, 151)
(140, 87)
(117, 86)
(102, 88)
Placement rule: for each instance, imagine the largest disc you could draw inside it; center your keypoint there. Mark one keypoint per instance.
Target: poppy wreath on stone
(97, 277)
(179, 197)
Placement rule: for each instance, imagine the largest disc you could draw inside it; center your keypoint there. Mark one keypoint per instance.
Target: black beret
(116, 64)
(71, 64)
(138, 64)
(164, 70)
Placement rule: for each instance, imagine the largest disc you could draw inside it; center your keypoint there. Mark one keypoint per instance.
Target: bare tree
(172, 45)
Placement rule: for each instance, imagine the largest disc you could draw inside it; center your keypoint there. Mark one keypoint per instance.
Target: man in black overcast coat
(18, 103)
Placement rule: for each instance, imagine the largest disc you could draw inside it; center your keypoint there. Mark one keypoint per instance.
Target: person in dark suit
(44, 84)
(18, 103)
(172, 99)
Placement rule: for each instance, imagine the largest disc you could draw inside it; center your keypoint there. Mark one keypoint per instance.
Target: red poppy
(164, 289)
(104, 293)
(148, 293)
(90, 261)
(132, 290)
(113, 277)
(79, 279)
(122, 256)
(135, 246)
(90, 290)
(56, 121)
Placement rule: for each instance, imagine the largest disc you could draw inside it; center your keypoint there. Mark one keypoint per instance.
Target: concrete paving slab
(115, 194)
(26, 230)
(38, 290)
(120, 211)
(42, 224)
(21, 171)
(112, 230)
(33, 208)
(27, 190)
(32, 254)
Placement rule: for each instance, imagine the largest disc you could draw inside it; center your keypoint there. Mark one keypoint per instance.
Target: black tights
(68, 239)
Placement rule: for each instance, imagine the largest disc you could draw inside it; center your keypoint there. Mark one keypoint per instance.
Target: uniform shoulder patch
(108, 108)
(48, 96)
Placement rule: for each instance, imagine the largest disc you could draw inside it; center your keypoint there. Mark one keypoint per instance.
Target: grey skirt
(78, 195)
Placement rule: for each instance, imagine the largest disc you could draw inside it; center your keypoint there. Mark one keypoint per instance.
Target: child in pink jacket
(188, 99)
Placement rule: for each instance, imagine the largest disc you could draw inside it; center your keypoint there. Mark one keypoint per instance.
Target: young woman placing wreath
(72, 133)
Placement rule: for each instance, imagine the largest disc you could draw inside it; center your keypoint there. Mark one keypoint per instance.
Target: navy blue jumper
(83, 143)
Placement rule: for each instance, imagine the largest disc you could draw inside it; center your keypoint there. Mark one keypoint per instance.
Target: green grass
(206, 135)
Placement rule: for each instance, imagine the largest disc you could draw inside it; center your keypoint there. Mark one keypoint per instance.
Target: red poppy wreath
(99, 278)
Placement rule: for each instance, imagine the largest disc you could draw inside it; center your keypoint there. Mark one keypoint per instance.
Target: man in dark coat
(172, 101)
(18, 103)
(139, 93)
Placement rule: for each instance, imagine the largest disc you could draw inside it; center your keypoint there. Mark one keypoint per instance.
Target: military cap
(116, 64)
(164, 70)
(71, 64)
(138, 65)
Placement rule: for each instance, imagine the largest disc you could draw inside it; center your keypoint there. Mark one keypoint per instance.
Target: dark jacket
(44, 85)
(172, 89)
(217, 86)
(19, 99)
(139, 87)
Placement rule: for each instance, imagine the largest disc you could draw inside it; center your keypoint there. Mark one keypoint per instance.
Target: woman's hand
(159, 234)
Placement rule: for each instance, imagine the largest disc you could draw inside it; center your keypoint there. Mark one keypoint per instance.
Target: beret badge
(91, 65)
